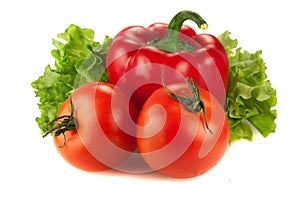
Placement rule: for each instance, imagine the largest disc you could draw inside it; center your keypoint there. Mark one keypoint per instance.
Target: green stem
(194, 103)
(65, 123)
(177, 21)
(171, 43)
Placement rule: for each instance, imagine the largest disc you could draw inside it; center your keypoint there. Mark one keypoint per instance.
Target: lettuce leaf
(78, 60)
(250, 96)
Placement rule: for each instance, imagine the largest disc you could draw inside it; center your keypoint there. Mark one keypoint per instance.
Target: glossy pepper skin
(138, 56)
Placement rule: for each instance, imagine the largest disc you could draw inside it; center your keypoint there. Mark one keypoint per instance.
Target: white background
(30, 166)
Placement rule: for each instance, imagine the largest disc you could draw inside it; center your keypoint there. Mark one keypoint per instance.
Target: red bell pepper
(138, 55)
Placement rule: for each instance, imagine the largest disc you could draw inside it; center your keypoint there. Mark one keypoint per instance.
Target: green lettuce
(78, 60)
(250, 96)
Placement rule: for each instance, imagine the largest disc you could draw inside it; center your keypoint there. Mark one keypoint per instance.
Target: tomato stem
(194, 103)
(62, 124)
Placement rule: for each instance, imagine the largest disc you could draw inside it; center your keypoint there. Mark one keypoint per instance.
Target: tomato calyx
(62, 124)
(194, 103)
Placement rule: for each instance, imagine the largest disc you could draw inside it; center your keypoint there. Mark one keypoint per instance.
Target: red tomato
(105, 127)
(175, 141)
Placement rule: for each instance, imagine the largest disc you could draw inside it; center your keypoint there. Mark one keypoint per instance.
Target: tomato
(177, 141)
(104, 133)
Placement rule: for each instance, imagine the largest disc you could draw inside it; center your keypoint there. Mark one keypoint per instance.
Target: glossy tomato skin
(105, 123)
(174, 141)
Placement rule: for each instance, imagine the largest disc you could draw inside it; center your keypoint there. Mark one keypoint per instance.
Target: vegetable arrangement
(175, 97)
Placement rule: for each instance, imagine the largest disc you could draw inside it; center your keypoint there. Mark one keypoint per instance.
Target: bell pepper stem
(171, 43)
(177, 21)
